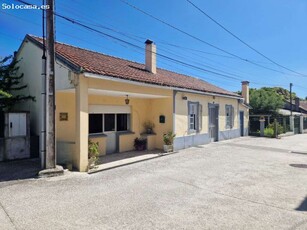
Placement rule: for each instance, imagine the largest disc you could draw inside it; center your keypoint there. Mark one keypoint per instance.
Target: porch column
(81, 153)
(292, 123)
(301, 124)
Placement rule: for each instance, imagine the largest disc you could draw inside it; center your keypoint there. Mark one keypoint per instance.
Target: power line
(246, 44)
(201, 40)
(73, 21)
(138, 47)
(161, 55)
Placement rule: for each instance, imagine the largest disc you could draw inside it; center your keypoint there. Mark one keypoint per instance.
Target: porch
(112, 114)
(116, 160)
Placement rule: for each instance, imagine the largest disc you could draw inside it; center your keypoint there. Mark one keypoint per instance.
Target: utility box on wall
(16, 136)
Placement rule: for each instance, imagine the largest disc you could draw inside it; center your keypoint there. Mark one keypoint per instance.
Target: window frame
(102, 123)
(196, 108)
(115, 123)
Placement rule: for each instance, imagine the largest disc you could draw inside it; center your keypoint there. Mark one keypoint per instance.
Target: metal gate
(213, 122)
(296, 125)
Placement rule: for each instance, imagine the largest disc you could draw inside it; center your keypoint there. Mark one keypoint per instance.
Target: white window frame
(194, 116)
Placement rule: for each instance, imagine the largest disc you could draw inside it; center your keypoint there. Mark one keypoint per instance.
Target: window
(229, 116)
(95, 123)
(195, 116)
(99, 123)
(123, 121)
(109, 122)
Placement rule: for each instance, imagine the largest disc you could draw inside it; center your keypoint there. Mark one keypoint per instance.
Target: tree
(10, 84)
(265, 101)
(284, 92)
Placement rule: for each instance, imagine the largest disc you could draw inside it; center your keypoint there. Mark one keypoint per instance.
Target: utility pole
(43, 98)
(291, 98)
(50, 89)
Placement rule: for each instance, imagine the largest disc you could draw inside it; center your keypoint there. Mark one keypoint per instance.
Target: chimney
(297, 104)
(245, 91)
(150, 58)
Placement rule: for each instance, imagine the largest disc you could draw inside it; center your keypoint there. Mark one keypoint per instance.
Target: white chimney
(245, 91)
(150, 58)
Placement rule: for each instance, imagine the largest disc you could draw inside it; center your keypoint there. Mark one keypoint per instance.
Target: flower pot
(168, 148)
(149, 131)
(141, 147)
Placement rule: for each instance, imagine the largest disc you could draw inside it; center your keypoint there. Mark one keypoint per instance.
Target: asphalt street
(245, 183)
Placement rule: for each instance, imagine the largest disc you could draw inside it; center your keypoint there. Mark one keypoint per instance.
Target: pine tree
(265, 101)
(10, 84)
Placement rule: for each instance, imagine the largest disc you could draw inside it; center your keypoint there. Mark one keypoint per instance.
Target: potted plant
(148, 126)
(168, 140)
(93, 152)
(140, 143)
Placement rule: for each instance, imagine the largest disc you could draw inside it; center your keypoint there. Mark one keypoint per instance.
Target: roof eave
(106, 77)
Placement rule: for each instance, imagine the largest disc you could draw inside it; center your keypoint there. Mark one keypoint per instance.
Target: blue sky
(277, 28)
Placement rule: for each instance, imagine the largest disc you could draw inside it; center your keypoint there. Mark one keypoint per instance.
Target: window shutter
(232, 116)
(227, 116)
(200, 117)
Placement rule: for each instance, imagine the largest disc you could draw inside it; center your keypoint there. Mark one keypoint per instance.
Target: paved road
(245, 183)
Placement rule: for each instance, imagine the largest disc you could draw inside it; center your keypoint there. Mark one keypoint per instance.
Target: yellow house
(108, 99)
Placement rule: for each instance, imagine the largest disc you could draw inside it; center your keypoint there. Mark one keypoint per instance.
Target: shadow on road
(303, 205)
(19, 169)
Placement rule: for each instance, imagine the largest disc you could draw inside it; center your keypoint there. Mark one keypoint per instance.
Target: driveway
(246, 183)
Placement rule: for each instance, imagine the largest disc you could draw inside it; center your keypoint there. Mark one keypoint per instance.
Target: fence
(254, 123)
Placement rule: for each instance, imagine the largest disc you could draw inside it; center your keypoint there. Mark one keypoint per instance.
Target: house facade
(108, 99)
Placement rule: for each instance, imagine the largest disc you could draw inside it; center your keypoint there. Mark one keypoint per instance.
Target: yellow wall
(120, 86)
(142, 109)
(181, 124)
(65, 103)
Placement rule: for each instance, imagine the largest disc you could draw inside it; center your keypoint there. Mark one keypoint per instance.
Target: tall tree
(10, 84)
(265, 101)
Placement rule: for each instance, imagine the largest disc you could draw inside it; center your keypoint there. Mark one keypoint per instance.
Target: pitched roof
(101, 64)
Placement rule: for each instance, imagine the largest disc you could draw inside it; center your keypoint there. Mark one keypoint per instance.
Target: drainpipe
(174, 110)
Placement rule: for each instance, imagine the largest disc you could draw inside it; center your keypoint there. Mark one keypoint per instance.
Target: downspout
(174, 110)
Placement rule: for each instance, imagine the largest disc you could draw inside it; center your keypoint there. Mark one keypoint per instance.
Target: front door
(110, 131)
(213, 122)
(242, 123)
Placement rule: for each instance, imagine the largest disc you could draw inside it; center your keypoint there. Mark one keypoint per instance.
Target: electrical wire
(201, 40)
(138, 47)
(239, 39)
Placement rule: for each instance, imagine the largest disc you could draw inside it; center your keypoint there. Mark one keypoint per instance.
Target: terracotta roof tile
(97, 63)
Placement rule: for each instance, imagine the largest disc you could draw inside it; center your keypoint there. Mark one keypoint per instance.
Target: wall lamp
(127, 100)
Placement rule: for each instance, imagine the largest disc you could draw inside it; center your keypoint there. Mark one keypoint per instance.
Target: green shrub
(168, 138)
(280, 129)
(269, 132)
(93, 149)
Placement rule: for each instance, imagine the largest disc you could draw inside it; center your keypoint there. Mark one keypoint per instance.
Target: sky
(275, 28)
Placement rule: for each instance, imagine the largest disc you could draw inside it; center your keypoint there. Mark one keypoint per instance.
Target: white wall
(30, 64)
